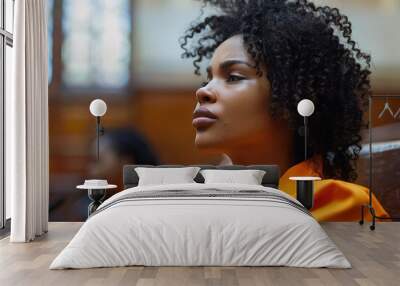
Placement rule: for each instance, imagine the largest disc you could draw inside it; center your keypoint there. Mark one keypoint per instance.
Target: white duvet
(200, 231)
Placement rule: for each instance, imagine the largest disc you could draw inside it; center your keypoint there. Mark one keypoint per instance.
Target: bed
(201, 224)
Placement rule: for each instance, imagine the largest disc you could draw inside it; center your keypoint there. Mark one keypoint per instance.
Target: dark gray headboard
(270, 179)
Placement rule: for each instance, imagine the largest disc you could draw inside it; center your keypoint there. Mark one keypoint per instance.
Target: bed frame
(270, 179)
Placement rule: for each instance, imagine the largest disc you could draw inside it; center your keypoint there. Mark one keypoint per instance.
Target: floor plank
(374, 255)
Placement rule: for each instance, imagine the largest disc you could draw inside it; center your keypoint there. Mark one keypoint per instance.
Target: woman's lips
(203, 118)
(203, 122)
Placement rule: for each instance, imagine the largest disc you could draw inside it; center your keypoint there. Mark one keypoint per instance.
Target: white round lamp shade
(98, 107)
(305, 107)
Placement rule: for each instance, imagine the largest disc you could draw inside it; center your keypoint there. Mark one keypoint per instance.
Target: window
(6, 43)
(86, 33)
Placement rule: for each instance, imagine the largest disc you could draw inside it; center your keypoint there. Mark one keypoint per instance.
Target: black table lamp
(305, 185)
(98, 108)
(97, 188)
(305, 108)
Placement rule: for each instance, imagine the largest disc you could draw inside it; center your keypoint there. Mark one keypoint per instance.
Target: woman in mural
(266, 56)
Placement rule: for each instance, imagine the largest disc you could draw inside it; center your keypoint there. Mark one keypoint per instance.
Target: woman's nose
(205, 95)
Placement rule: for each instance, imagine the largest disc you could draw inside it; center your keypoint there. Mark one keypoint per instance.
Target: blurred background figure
(119, 147)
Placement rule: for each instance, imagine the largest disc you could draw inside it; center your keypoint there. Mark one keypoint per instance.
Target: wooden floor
(374, 255)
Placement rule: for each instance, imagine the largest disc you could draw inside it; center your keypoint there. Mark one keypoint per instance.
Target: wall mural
(142, 59)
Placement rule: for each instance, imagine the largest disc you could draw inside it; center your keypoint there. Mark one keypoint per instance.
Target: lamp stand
(98, 135)
(369, 206)
(305, 137)
(99, 132)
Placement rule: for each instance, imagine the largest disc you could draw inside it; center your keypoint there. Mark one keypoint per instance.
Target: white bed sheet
(200, 231)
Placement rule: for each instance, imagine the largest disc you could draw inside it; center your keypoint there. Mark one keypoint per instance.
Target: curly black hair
(309, 53)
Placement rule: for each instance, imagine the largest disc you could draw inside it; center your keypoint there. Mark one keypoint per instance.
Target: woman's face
(232, 108)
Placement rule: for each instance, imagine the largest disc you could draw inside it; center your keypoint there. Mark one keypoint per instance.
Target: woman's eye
(233, 78)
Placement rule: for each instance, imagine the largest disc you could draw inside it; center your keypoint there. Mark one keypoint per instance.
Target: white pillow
(162, 176)
(249, 177)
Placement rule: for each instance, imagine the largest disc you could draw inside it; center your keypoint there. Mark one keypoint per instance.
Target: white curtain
(27, 147)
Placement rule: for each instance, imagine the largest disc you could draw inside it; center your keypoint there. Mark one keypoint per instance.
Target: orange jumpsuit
(334, 200)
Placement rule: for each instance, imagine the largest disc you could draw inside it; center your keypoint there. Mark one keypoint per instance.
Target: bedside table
(305, 190)
(97, 190)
